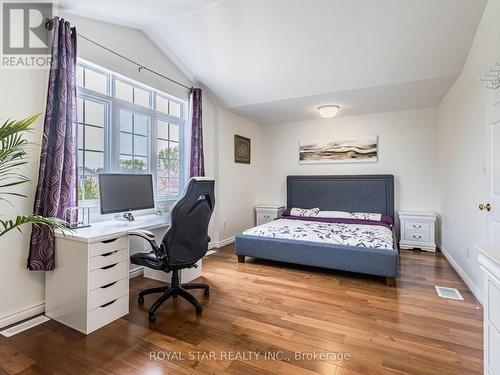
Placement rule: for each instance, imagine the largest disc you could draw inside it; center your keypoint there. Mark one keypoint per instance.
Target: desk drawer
(107, 313)
(494, 304)
(107, 259)
(108, 293)
(107, 275)
(416, 225)
(108, 246)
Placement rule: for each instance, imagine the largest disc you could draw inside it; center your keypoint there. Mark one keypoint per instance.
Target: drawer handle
(109, 241)
(417, 237)
(266, 216)
(417, 226)
(108, 285)
(109, 303)
(108, 267)
(108, 254)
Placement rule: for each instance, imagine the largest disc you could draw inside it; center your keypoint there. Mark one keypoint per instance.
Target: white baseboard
(26, 313)
(218, 245)
(467, 280)
(135, 272)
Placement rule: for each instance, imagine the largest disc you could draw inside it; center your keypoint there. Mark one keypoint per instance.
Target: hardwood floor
(279, 309)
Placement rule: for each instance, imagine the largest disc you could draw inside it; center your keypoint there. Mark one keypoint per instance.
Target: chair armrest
(150, 237)
(147, 235)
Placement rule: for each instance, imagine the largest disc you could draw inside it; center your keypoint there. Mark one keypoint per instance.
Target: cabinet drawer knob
(417, 226)
(417, 237)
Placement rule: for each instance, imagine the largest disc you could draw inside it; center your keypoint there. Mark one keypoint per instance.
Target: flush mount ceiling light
(328, 111)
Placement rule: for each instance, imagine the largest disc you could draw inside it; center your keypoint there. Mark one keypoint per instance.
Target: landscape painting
(353, 149)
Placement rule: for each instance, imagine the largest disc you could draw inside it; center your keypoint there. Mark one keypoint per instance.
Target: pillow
(335, 215)
(374, 217)
(367, 216)
(304, 211)
(387, 219)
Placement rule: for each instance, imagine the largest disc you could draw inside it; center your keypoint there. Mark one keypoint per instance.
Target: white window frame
(112, 126)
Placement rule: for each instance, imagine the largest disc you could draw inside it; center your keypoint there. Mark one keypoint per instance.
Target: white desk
(106, 230)
(89, 287)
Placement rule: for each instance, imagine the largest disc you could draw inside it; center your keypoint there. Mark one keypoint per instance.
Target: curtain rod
(48, 25)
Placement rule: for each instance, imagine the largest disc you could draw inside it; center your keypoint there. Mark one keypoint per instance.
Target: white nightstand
(267, 213)
(417, 230)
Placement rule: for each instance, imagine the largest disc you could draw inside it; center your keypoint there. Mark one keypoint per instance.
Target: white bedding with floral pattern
(361, 235)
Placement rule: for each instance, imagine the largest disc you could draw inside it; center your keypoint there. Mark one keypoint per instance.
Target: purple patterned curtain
(196, 163)
(57, 178)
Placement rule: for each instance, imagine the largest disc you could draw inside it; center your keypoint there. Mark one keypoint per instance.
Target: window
(125, 126)
(91, 123)
(168, 158)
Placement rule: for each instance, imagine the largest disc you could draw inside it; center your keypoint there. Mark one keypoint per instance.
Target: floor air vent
(24, 326)
(450, 293)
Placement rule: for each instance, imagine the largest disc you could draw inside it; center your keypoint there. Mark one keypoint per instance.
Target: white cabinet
(417, 230)
(267, 213)
(89, 287)
(489, 259)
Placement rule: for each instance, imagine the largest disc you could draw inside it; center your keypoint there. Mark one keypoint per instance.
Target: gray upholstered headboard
(362, 193)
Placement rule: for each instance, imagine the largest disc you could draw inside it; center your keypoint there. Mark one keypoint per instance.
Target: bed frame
(360, 193)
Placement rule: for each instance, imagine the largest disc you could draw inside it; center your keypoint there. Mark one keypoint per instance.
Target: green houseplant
(12, 158)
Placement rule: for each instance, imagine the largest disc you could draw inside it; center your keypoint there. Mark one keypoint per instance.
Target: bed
(360, 193)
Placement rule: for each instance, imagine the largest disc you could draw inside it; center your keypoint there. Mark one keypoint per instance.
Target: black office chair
(185, 242)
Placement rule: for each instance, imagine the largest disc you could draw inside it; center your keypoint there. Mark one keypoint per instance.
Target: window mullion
(154, 151)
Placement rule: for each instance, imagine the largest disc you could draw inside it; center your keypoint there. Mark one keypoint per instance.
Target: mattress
(372, 236)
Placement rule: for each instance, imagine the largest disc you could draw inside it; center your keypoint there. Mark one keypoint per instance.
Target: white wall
(407, 149)
(26, 94)
(463, 152)
(238, 183)
(22, 94)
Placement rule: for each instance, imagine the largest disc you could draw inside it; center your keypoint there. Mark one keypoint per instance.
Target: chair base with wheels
(174, 289)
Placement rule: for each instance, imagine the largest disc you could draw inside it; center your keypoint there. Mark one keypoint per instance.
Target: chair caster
(152, 317)
(206, 293)
(140, 300)
(199, 310)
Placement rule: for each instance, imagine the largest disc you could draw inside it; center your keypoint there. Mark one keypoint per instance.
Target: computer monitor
(119, 192)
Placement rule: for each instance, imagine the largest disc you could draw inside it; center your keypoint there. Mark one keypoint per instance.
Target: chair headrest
(196, 178)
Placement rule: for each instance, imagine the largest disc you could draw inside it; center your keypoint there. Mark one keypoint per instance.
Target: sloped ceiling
(278, 60)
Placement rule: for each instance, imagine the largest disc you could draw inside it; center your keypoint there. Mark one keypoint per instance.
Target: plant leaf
(53, 223)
